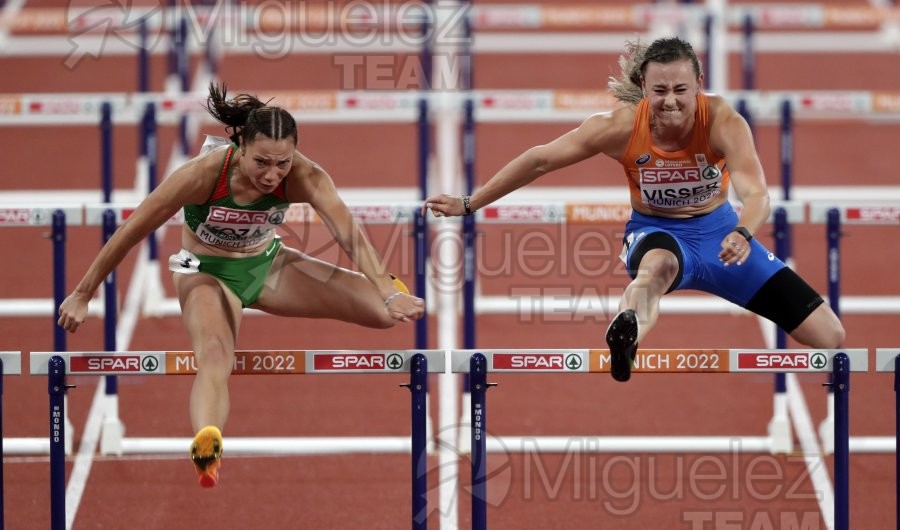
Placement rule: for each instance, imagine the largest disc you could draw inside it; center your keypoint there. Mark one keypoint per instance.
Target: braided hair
(246, 116)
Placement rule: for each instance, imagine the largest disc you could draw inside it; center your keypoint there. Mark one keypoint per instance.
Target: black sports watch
(744, 232)
(466, 206)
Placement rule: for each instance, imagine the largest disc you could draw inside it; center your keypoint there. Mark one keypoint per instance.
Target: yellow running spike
(206, 454)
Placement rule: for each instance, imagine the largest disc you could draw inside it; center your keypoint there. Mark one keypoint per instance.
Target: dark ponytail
(246, 116)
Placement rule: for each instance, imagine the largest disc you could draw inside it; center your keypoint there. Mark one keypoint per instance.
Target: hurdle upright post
(468, 230)
(897, 433)
(707, 43)
(418, 386)
(833, 233)
(478, 386)
(841, 389)
(56, 386)
(420, 219)
(183, 68)
(153, 290)
(113, 430)
(780, 426)
(143, 58)
(109, 299)
(748, 60)
(469, 235)
(106, 145)
(58, 233)
(834, 260)
(150, 137)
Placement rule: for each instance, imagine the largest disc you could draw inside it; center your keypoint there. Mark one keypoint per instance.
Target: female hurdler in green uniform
(234, 195)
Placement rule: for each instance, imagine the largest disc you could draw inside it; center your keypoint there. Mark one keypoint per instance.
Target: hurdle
(60, 216)
(112, 438)
(419, 363)
(148, 109)
(887, 360)
(483, 362)
(57, 219)
(834, 217)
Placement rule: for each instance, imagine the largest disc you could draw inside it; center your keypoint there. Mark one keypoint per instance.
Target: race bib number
(228, 227)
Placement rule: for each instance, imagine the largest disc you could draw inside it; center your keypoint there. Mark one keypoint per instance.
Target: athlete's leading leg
(657, 271)
(211, 315)
(301, 286)
(639, 309)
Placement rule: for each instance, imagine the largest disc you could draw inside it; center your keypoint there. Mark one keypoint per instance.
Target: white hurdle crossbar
(57, 365)
(885, 359)
(580, 361)
(886, 213)
(12, 365)
(247, 362)
(12, 362)
(479, 364)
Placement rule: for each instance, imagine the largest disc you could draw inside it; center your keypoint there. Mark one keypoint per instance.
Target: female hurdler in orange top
(681, 150)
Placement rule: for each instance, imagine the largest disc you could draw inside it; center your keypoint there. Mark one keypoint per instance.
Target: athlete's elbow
(538, 162)
(765, 204)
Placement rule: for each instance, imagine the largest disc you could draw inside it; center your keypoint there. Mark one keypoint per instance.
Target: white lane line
(127, 321)
(806, 433)
(85, 457)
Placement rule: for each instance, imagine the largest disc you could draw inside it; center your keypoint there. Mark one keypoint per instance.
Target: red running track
(372, 491)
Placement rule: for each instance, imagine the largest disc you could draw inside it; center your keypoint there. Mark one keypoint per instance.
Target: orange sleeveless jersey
(664, 180)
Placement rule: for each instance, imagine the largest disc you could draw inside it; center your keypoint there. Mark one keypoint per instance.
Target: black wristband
(466, 204)
(744, 232)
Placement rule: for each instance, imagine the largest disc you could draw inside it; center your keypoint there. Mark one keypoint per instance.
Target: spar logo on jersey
(277, 217)
(643, 159)
(710, 172)
(231, 216)
(651, 175)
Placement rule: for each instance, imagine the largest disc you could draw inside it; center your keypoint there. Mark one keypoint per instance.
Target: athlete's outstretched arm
(184, 186)
(731, 135)
(595, 135)
(319, 191)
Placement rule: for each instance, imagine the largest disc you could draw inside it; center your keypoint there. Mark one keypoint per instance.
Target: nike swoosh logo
(270, 250)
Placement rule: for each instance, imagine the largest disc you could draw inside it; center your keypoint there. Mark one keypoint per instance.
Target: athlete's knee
(832, 336)
(829, 329)
(839, 334)
(821, 329)
(660, 266)
(215, 354)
